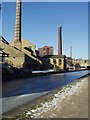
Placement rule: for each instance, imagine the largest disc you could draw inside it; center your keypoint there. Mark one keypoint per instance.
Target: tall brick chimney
(17, 35)
(59, 41)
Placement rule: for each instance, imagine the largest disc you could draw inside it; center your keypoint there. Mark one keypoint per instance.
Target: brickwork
(46, 50)
(59, 41)
(17, 36)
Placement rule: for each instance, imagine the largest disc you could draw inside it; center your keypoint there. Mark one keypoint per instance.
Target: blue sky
(40, 23)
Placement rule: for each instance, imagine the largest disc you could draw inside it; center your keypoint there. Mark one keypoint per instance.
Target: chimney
(71, 52)
(59, 41)
(17, 36)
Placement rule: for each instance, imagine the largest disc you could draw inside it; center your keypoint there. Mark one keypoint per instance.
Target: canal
(39, 84)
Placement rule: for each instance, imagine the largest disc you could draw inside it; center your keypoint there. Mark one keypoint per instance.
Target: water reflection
(39, 84)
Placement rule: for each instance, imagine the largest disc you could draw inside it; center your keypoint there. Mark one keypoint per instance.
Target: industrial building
(46, 50)
(21, 53)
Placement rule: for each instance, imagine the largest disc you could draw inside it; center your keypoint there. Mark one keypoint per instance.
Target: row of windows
(47, 48)
(45, 53)
(60, 61)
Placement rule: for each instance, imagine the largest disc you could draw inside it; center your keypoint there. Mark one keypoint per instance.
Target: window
(44, 53)
(60, 61)
(50, 53)
(30, 47)
(44, 48)
(54, 61)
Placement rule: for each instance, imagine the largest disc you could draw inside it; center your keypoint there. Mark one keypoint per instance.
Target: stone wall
(59, 62)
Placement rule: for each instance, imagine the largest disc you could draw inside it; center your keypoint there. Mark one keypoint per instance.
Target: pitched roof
(3, 40)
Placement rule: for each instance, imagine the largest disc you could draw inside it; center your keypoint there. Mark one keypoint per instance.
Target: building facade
(22, 53)
(59, 62)
(68, 61)
(54, 62)
(15, 56)
(82, 62)
(46, 50)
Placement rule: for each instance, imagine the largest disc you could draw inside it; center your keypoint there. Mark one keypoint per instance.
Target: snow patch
(63, 94)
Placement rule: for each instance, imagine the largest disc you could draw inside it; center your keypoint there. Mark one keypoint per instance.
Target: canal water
(40, 83)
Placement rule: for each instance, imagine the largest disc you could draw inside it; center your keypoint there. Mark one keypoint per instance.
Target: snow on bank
(63, 94)
(43, 71)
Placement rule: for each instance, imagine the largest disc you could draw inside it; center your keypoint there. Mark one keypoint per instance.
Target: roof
(57, 56)
(53, 56)
(23, 40)
(3, 40)
(47, 56)
(3, 53)
(68, 57)
(46, 46)
(24, 43)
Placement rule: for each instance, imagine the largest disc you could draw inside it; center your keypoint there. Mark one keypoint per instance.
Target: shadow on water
(39, 84)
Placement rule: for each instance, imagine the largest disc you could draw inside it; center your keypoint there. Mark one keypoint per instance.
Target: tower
(59, 41)
(71, 52)
(17, 35)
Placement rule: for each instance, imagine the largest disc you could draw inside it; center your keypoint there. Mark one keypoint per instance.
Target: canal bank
(28, 108)
(6, 77)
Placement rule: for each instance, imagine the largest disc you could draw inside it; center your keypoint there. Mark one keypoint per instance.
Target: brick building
(46, 50)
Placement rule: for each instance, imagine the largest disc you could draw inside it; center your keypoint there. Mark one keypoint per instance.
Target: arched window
(54, 61)
(60, 61)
